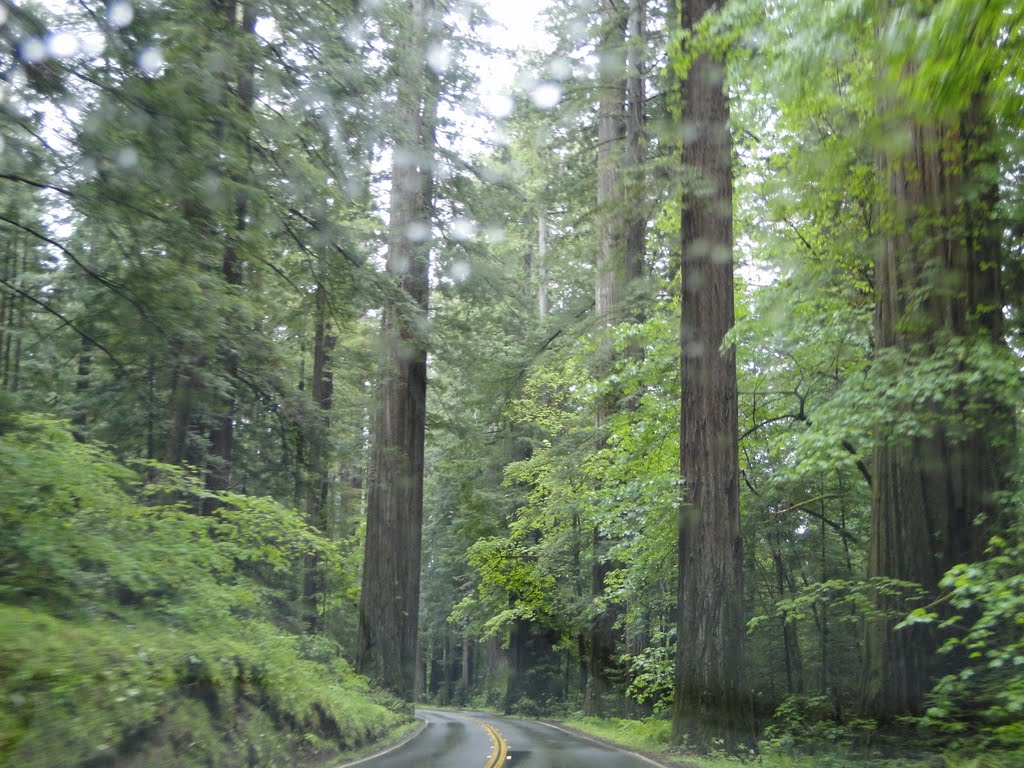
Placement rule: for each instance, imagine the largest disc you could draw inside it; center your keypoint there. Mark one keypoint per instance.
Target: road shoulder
(648, 757)
(379, 750)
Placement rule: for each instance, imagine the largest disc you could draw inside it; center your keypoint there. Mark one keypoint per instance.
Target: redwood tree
(709, 660)
(939, 304)
(389, 602)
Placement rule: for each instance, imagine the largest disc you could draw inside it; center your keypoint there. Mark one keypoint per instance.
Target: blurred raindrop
(3, 15)
(92, 43)
(88, 167)
(120, 14)
(560, 68)
(126, 158)
(32, 50)
(62, 45)
(439, 58)
(546, 95)
(1, 145)
(151, 60)
(462, 229)
(461, 270)
(721, 254)
(417, 231)
(355, 34)
(209, 185)
(498, 105)
(494, 235)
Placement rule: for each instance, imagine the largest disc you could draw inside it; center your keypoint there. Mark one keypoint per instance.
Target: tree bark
(389, 603)
(222, 435)
(709, 700)
(542, 264)
(611, 129)
(938, 282)
(322, 393)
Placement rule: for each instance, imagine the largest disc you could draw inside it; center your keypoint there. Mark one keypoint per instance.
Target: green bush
(132, 627)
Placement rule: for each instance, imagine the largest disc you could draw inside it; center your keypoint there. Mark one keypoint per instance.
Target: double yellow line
(500, 752)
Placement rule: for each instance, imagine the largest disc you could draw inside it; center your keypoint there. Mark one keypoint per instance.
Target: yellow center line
(500, 752)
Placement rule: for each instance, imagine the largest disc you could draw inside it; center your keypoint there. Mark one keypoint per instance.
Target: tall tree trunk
(709, 701)
(619, 263)
(938, 283)
(222, 435)
(80, 417)
(609, 277)
(790, 641)
(542, 264)
(322, 393)
(6, 324)
(184, 392)
(389, 603)
(636, 143)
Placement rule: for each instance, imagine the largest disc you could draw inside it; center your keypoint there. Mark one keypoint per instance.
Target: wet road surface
(476, 740)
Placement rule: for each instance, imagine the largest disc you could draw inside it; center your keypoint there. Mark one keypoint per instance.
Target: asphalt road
(474, 740)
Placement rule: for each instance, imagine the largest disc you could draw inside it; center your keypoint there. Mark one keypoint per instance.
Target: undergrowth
(653, 736)
(134, 631)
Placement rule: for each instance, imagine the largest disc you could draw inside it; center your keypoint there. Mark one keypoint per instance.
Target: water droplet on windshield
(498, 105)
(62, 45)
(494, 235)
(461, 270)
(439, 58)
(120, 14)
(126, 158)
(560, 68)
(546, 95)
(151, 60)
(462, 229)
(32, 50)
(92, 43)
(417, 231)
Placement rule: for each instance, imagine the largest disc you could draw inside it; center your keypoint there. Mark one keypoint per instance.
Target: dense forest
(673, 391)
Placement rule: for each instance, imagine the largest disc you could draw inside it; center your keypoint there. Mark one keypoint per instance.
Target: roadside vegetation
(668, 370)
(792, 745)
(135, 632)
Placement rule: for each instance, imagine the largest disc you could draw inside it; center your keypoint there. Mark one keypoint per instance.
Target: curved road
(474, 740)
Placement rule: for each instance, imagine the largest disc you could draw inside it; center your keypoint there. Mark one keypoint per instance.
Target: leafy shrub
(807, 725)
(131, 626)
(984, 699)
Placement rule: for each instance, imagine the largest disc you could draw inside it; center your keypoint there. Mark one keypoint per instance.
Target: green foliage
(804, 725)
(650, 735)
(130, 624)
(652, 672)
(982, 703)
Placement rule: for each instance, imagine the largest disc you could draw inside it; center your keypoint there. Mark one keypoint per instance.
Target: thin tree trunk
(81, 387)
(222, 435)
(542, 264)
(6, 325)
(317, 485)
(709, 694)
(792, 658)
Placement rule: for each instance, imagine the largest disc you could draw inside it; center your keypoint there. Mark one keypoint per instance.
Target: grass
(653, 735)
